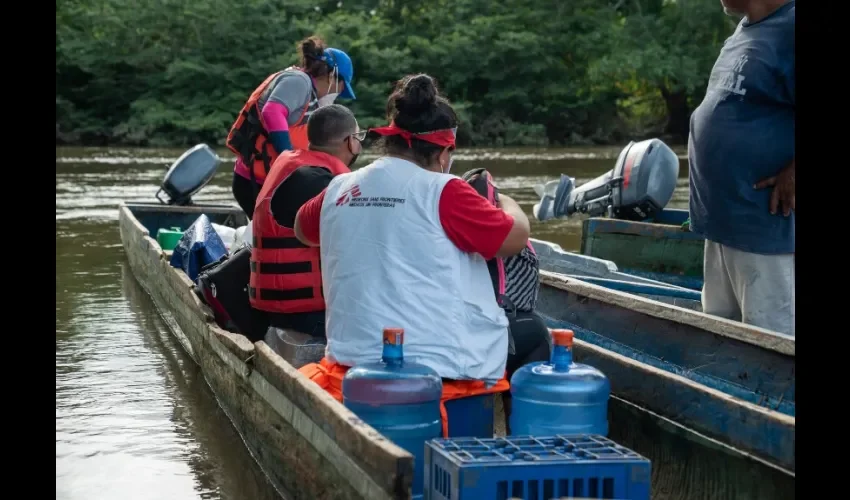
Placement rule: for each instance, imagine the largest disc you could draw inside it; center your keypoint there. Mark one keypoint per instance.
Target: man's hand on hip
(784, 190)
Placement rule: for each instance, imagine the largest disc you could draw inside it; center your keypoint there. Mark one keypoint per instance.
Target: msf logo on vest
(348, 194)
(352, 197)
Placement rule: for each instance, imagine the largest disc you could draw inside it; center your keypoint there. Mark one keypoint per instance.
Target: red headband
(443, 138)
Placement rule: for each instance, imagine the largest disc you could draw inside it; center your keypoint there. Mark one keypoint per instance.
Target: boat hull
(732, 382)
(660, 250)
(309, 445)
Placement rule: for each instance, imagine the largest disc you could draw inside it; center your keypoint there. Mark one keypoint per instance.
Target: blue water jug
(399, 399)
(559, 397)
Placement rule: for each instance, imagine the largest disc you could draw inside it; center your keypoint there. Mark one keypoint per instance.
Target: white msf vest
(387, 262)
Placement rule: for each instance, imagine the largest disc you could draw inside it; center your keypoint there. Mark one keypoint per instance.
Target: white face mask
(330, 97)
(327, 100)
(452, 157)
(449, 168)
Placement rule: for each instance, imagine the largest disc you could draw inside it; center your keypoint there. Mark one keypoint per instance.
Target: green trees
(522, 72)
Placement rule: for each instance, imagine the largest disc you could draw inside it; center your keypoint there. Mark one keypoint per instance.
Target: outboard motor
(640, 185)
(188, 175)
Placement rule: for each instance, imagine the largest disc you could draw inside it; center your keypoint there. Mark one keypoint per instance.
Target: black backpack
(515, 279)
(223, 285)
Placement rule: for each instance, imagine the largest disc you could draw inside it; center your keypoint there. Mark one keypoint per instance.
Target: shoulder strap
(481, 180)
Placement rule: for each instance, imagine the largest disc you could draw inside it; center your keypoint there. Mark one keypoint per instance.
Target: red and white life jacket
(286, 274)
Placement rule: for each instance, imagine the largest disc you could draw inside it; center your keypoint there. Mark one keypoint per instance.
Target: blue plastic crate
(534, 468)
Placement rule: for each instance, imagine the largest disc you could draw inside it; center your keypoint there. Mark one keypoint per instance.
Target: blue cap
(340, 60)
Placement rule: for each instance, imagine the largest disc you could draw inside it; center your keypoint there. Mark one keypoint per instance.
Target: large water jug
(559, 397)
(398, 398)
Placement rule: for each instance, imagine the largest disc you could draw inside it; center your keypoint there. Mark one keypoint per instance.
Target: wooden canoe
(724, 379)
(310, 446)
(751, 364)
(660, 250)
(606, 273)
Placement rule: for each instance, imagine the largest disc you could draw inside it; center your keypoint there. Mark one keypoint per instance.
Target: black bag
(223, 285)
(515, 279)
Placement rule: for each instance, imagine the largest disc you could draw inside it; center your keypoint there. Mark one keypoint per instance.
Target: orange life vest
(329, 375)
(249, 139)
(286, 274)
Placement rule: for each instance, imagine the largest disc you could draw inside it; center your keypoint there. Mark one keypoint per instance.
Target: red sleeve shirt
(469, 220)
(308, 217)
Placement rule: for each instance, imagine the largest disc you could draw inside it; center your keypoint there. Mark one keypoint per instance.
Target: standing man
(742, 168)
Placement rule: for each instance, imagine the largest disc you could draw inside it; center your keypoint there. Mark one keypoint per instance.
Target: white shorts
(752, 288)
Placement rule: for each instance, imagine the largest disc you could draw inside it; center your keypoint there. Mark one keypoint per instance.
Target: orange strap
(298, 132)
(298, 137)
(329, 377)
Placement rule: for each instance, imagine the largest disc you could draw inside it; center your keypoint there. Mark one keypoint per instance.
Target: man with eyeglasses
(286, 280)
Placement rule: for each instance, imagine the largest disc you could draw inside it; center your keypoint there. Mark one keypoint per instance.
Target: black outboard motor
(640, 185)
(188, 175)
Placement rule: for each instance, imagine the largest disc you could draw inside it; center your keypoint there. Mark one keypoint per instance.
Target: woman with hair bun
(274, 119)
(405, 244)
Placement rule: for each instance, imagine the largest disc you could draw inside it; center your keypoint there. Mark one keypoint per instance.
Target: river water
(134, 416)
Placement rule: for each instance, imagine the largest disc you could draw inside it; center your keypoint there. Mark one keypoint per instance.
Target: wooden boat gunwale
(308, 444)
(761, 337)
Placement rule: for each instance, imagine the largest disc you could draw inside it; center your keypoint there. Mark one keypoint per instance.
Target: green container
(168, 238)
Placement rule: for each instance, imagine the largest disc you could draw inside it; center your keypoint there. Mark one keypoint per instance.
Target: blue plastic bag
(199, 246)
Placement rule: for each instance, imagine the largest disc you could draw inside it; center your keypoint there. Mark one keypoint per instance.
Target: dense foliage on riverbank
(520, 72)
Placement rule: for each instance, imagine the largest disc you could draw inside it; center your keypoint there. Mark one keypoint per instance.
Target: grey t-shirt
(293, 89)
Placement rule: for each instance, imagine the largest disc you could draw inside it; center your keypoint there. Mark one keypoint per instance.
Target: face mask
(353, 157)
(327, 100)
(353, 160)
(330, 97)
(451, 158)
(448, 168)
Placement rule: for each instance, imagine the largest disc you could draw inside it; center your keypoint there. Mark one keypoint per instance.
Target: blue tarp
(199, 246)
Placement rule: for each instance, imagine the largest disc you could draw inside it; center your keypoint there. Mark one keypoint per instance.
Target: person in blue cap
(274, 119)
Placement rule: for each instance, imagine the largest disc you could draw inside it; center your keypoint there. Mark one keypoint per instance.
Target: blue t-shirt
(743, 132)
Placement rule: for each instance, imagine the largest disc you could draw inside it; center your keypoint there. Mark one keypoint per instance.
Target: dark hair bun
(418, 94)
(312, 49)
(311, 52)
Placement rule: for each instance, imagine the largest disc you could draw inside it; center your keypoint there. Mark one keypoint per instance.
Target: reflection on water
(134, 416)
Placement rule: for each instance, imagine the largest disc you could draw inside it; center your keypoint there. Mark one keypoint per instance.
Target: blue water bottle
(559, 397)
(399, 399)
